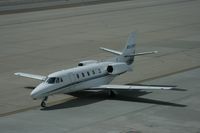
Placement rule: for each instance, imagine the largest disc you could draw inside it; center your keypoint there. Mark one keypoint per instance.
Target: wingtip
(17, 73)
(178, 89)
(155, 52)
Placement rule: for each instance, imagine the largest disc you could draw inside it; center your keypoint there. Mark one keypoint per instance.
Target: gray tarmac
(130, 112)
(42, 42)
(20, 6)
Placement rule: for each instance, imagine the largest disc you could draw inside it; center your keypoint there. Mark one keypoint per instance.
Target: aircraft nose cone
(37, 92)
(34, 94)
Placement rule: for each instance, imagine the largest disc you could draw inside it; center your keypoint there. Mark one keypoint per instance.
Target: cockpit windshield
(53, 80)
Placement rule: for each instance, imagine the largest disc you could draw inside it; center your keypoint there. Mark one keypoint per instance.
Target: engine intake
(84, 63)
(117, 68)
(110, 69)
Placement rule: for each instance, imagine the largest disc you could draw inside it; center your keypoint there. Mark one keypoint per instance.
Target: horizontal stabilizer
(33, 76)
(132, 87)
(111, 51)
(143, 53)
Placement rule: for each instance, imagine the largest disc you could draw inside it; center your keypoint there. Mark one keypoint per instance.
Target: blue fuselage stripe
(77, 82)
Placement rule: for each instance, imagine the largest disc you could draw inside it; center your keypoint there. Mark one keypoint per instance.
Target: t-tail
(128, 53)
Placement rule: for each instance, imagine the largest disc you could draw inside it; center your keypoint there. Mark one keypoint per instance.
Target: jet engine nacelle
(117, 68)
(83, 63)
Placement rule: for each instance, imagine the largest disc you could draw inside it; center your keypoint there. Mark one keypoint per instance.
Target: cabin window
(99, 70)
(83, 74)
(93, 71)
(61, 80)
(77, 75)
(88, 73)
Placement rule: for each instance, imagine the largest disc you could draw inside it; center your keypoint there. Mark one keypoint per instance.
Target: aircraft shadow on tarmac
(88, 97)
(29, 87)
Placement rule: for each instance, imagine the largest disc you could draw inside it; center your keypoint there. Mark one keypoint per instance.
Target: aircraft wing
(33, 76)
(132, 87)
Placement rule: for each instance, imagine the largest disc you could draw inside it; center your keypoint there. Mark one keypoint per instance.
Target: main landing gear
(43, 103)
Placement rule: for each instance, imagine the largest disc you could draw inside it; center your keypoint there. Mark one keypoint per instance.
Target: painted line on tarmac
(168, 74)
(50, 6)
(35, 107)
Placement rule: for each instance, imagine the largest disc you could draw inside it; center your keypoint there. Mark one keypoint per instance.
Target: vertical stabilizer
(130, 45)
(127, 54)
(128, 50)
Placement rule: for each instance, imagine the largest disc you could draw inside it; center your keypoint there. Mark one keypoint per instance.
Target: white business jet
(91, 75)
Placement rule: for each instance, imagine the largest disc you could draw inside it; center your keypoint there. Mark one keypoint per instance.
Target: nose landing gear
(43, 103)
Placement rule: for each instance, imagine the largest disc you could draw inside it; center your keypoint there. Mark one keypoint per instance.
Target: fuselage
(74, 79)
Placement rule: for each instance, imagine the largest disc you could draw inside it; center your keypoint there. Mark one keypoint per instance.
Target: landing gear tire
(43, 104)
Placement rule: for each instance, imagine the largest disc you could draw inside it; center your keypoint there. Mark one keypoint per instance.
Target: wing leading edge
(132, 87)
(32, 76)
